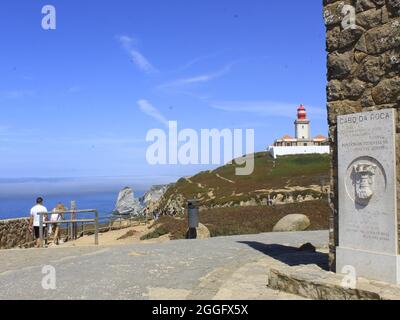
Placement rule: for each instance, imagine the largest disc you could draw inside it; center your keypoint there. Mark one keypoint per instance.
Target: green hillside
(295, 175)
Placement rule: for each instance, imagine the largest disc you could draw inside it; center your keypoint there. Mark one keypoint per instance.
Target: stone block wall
(15, 233)
(363, 45)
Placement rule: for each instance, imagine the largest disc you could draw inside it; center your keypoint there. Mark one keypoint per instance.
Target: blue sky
(69, 97)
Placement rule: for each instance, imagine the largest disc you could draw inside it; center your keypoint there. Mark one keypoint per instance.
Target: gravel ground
(185, 269)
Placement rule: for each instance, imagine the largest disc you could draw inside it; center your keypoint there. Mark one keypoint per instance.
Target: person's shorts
(36, 232)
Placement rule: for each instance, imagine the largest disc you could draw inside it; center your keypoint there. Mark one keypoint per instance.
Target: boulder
(201, 233)
(127, 204)
(293, 222)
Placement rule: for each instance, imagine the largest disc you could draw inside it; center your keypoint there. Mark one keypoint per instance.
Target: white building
(302, 143)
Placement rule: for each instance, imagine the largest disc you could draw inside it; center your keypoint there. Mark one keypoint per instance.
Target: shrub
(175, 227)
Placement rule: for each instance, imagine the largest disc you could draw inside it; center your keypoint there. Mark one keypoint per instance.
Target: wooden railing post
(96, 233)
(41, 229)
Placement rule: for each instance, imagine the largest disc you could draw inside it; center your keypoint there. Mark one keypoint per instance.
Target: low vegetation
(221, 186)
(253, 220)
(127, 235)
(175, 227)
(243, 220)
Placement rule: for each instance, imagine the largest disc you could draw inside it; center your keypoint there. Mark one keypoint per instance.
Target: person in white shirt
(56, 216)
(34, 222)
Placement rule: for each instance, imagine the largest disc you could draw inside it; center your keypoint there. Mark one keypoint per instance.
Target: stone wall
(15, 233)
(363, 45)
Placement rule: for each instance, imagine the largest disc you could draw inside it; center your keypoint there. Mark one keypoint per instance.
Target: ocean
(19, 206)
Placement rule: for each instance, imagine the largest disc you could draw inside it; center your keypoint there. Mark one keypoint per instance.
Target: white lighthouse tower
(302, 125)
(303, 143)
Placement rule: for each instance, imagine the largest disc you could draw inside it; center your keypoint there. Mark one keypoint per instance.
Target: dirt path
(112, 238)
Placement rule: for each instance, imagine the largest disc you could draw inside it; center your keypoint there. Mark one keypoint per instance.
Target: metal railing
(124, 221)
(102, 224)
(68, 222)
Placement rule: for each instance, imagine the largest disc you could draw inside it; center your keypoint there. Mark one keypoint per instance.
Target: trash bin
(193, 213)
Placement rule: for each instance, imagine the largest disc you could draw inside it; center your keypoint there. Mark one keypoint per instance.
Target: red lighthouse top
(301, 113)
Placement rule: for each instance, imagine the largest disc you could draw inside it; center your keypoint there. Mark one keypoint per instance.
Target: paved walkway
(217, 268)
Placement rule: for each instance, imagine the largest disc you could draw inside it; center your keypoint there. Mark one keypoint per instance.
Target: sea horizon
(19, 205)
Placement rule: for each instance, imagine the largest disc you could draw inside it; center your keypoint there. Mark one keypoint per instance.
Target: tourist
(34, 222)
(57, 215)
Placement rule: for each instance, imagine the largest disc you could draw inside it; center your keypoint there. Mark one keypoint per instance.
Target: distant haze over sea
(18, 195)
(54, 186)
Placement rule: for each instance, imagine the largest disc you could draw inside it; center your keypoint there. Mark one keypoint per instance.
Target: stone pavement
(217, 268)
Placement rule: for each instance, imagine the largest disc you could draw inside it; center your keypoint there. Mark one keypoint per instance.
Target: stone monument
(363, 45)
(368, 225)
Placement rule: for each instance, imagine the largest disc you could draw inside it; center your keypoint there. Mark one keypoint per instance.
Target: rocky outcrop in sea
(127, 204)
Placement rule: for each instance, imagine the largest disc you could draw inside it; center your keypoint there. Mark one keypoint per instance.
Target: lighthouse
(302, 124)
(303, 143)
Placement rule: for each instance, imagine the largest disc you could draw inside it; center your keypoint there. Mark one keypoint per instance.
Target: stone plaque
(367, 192)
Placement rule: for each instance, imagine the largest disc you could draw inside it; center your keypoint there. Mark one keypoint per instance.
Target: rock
(127, 204)
(249, 203)
(349, 36)
(394, 7)
(366, 99)
(340, 64)
(152, 199)
(312, 282)
(201, 233)
(334, 90)
(293, 222)
(353, 89)
(370, 19)
(333, 13)
(342, 107)
(363, 5)
(387, 91)
(359, 56)
(332, 39)
(383, 38)
(154, 194)
(14, 233)
(176, 205)
(372, 69)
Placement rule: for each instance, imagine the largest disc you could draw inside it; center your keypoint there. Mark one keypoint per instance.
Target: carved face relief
(364, 180)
